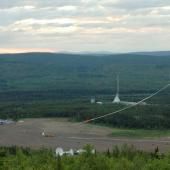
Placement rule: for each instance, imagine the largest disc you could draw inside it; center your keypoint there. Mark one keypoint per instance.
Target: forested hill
(53, 85)
(89, 74)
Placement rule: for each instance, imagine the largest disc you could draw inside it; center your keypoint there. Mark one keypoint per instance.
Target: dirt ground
(61, 133)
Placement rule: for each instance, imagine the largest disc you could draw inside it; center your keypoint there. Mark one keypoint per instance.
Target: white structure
(80, 151)
(5, 122)
(100, 103)
(69, 153)
(93, 100)
(117, 99)
(20, 121)
(61, 152)
(43, 133)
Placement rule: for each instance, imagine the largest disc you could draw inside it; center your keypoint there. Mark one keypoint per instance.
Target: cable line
(126, 108)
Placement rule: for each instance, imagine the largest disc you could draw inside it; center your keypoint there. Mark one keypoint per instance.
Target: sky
(84, 25)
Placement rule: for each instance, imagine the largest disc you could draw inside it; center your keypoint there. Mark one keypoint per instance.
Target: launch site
(84, 85)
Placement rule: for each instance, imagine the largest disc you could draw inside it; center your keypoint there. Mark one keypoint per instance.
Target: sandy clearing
(70, 135)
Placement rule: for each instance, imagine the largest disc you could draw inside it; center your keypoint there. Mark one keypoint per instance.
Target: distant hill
(85, 72)
(157, 53)
(100, 53)
(53, 85)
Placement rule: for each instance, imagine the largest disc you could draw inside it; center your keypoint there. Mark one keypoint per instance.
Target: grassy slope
(139, 133)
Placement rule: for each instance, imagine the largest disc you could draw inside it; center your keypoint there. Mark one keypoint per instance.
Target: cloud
(23, 50)
(67, 8)
(37, 3)
(138, 4)
(27, 23)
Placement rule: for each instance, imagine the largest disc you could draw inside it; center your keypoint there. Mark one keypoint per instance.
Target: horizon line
(77, 52)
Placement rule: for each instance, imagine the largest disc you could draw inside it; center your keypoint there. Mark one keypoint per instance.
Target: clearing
(65, 134)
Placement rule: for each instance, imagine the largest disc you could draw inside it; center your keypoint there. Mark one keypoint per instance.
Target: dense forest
(125, 158)
(61, 85)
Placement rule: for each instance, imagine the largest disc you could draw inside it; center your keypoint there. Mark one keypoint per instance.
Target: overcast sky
(84, 25)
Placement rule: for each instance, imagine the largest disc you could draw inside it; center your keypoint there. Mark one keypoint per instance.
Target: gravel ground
(61, 133)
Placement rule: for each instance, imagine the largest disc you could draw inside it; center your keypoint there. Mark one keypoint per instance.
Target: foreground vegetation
(61, 85)
(126, 158)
